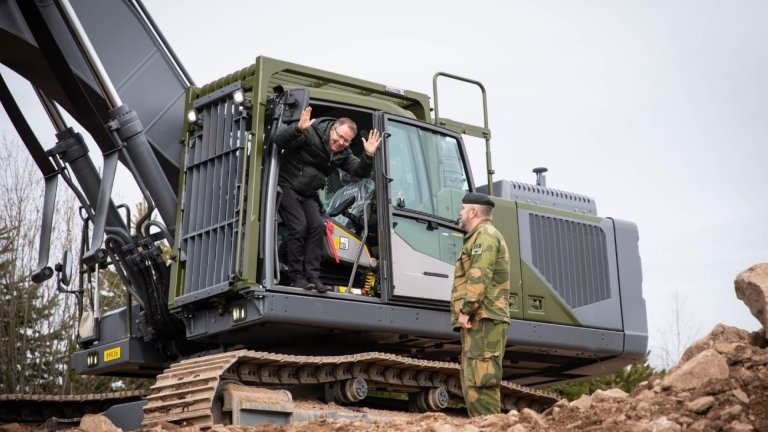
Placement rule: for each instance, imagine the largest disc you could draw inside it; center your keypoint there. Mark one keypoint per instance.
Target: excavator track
(38, 408)
(187, 391)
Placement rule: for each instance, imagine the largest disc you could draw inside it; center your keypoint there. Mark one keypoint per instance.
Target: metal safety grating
(572, 256)
(211, 197)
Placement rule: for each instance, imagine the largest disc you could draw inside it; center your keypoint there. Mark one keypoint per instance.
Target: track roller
(432, 399)
(519, 404)
(350, 391)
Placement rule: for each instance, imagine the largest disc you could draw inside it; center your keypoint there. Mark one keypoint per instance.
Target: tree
(31, 315)
(678, 329)
(38, 324)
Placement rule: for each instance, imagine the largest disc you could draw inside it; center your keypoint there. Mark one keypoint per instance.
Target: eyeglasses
(341, 137)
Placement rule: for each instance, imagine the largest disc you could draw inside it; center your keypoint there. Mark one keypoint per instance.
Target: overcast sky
(656, 109)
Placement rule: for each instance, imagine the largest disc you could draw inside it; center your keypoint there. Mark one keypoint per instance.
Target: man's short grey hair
(348, 122)
(485, 212)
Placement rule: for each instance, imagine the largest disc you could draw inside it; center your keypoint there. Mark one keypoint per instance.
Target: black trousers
(304, 242)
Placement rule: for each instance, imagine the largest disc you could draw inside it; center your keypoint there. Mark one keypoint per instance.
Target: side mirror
(294, 103)
(65, 268)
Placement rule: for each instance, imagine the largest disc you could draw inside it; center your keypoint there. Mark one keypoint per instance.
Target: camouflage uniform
(481, 291)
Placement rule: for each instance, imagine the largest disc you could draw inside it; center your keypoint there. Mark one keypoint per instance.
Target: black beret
(477, 198)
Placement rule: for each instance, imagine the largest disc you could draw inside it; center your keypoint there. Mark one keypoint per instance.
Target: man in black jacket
(312, 150)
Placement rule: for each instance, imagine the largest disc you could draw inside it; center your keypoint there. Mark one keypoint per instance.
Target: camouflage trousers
(482, 350)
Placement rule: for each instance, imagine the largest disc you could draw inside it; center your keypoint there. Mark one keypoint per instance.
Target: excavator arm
(109, 68)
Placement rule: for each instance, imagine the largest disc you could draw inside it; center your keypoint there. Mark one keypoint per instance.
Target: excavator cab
(349, 257)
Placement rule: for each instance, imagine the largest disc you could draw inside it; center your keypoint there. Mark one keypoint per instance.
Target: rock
(741, 396)
(97, 423)
(752, 288)
(160, 426)
(532, 418)
(493, 422)
(736, 426)
(663, 424)
(721, 333)
(440, 427)
(700, 426)
(730, 413)
(470, 428)
(646, 395)
(583, 403)
(642, 407)
(608, 395)
(734, 352)
(634, 426)
(700, 405)
(707, 365)
(517, 428)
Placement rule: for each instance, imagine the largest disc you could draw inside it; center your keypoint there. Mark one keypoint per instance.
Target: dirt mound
(721, 384)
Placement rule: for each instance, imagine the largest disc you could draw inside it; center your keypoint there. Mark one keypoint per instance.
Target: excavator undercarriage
(199, 392)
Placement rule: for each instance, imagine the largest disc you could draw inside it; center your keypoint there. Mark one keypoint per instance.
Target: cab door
(426, 176)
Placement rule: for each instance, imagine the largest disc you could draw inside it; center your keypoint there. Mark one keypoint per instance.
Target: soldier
(480, 305)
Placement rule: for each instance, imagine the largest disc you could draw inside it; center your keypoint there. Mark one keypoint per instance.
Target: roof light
(239, 96)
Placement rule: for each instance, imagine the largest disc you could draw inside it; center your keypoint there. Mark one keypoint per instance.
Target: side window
(427, 171)
(407, 169)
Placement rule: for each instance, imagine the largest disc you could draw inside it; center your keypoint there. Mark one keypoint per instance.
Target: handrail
(484, 133)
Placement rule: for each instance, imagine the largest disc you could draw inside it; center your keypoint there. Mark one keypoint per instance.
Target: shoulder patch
(477, 249)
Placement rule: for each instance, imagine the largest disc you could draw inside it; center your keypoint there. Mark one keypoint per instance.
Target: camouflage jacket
(481, 278)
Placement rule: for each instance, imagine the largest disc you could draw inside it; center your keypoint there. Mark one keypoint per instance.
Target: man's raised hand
(305, 121)
(372, 143)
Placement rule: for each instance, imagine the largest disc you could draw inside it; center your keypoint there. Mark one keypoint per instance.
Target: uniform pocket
(486, 372)
(483, 349)
(487, 338)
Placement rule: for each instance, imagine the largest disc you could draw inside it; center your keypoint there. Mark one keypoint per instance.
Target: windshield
(427, 171)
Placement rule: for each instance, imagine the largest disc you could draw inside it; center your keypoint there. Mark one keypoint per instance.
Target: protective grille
(212, 183)
(572, 256)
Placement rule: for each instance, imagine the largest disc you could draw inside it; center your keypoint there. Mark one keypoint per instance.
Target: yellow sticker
(111, 354)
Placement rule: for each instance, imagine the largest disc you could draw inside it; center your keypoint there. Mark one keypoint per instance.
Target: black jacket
(306, 160)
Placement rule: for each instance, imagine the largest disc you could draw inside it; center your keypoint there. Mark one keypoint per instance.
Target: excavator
(208, 312)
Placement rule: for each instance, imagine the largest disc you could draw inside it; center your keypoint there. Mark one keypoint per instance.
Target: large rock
(720, 334)
(663, 424)
(752, 288)
(709, 364)
(97, 423)
(608, 395)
